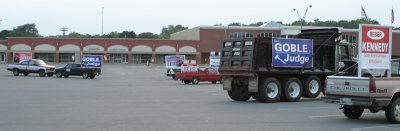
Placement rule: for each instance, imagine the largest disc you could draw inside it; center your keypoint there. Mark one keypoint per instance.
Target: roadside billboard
(174, 61)
(374, 47)
(92, 60)
(293, 53)
(20, 56)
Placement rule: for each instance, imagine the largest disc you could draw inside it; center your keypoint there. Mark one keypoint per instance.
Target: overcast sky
(84, 16)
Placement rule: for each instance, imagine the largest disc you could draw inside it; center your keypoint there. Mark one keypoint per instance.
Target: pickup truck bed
(355, 94)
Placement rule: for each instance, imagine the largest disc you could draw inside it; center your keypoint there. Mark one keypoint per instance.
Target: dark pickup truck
(77, 70)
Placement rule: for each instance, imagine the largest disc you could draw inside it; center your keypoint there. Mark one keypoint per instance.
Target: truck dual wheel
(269, 91)
(42, 73)
(85, 75)
(59, 74)
(291, 89)
(392, 112)
(312, 87)
(195, 80)
(353, 112)
(239, 93)
(16, 72)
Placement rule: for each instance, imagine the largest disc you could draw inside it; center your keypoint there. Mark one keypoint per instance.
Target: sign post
(293, 53)
(374, 48)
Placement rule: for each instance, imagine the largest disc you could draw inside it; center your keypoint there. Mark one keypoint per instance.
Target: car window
(24, 63)
(31, 63)
(395, 69)
(212, 71)
(78, 66)
(68, 66)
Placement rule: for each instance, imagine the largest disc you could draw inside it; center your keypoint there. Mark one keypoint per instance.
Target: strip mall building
(195, 44)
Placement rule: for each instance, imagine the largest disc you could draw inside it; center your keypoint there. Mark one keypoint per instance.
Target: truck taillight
(372, 86)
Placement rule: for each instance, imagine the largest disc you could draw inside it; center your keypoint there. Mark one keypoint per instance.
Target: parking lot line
(302, 108)
(377, 128)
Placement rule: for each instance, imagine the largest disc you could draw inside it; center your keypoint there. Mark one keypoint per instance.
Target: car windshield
(40, 62)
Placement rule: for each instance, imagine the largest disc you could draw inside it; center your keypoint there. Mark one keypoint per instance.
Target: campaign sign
(92, 60)
(375, 47)
(295, 53)
(174, 61)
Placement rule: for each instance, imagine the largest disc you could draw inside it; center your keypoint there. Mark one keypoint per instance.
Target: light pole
(102, 19)
(302, 18)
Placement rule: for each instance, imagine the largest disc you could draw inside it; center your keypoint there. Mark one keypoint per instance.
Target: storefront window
(2, 57)
(119, 58)
(141, 58)
(67, 57)
(47, 57)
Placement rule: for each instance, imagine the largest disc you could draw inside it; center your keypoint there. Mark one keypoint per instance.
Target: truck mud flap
(227, 83)
(253, 84)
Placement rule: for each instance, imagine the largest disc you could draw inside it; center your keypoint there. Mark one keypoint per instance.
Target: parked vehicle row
(26, 67)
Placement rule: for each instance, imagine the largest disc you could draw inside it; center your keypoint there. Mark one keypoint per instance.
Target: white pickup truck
(355, 94)
(32, 66)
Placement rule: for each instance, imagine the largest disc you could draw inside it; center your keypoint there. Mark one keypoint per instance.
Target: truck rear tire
(42, 73)
(392, 112)
(353, 112)
(269, 91)
(16, 72)
(59, 74)
(195, 81)
(312, 87)
(85, 75)
(239, 93)
(291, 89)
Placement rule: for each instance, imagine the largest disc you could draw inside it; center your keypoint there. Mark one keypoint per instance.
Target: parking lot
(128, 97)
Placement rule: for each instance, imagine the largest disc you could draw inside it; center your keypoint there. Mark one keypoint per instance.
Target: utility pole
(64, 29)
(102, 20)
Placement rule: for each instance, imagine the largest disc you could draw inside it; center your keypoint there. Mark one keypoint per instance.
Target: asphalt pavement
(142, 98)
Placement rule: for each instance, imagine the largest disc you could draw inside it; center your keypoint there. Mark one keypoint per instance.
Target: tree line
(30, 30)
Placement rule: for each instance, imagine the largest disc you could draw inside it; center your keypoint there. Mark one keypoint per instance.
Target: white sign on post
(374, 47)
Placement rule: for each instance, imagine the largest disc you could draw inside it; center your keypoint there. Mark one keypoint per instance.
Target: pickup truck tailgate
(347, 86)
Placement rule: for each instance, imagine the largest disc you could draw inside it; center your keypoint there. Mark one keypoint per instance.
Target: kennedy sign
(375, 47)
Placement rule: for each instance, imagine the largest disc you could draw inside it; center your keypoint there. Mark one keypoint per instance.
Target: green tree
(167, 31)
(26, 30)
(75, 35)
(147, 35)
(114, 34)
(353, 24)
(236, 24)
(256, 24)
(4, 34)
(127, 34)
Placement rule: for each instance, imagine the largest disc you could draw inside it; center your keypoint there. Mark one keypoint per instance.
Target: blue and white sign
(296, 53)
(92, 60)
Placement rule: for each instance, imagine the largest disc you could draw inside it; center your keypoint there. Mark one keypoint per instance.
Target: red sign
(375, 39)
(374, 47)
(20, 56)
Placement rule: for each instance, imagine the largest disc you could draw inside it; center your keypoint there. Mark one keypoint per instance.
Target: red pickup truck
(202, 74)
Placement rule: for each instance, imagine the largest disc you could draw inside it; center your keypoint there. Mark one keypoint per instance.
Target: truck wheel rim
(294, 89)
(397, 112)
(272, 90)
(313, 86)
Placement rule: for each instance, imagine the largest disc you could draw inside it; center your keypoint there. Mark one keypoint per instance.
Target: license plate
(346, 101)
